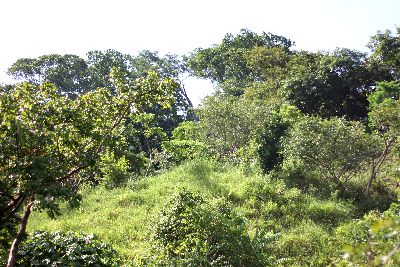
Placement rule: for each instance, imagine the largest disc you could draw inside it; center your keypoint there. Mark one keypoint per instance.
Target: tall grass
(123, 217)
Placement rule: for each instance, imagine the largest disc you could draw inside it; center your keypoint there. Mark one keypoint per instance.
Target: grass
(123, 217)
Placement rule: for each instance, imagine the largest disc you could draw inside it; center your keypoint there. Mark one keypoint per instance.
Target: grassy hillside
(123, 217)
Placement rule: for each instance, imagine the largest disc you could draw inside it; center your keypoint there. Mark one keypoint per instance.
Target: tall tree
(385, 58)
(48, 139)
(330, 84)
(67, 72)
(226, 63)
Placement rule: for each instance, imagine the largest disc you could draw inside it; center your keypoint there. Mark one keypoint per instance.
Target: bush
(114, 171)
(269, 142)
(373, 240)
(269, 138)
(66, 249)
(192, 232)
(304, 245)
(185, 142)
(281, 208)
(335, 148)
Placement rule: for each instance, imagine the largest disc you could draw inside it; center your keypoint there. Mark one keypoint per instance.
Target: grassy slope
(121, 217)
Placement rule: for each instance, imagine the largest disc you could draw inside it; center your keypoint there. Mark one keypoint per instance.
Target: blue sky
(33, 28)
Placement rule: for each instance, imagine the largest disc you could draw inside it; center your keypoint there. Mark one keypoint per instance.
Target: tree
(385, 120)
(334, 147)
(269, 63)
(169, 66)
(385, 48)
(330, 84)
(73, 75)
(226, 63)
(67, 72)
(228, 123)
(48, 140)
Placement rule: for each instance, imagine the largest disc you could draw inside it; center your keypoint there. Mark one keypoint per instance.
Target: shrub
(335, 148)
(373, 240)
(282, 208)
(114, 171)
(192, 232)
(269, 137)
(66, 249)
(185, 142)
(304, 245)
(269, 142)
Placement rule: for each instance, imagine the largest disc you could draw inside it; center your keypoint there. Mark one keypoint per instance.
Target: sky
(33, 28)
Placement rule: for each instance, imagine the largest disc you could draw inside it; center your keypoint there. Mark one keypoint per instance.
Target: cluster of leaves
(66, 249)
(373, 240)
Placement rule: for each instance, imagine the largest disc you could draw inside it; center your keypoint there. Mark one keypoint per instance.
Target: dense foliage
(191, 232)
(293, 161)
(66, 249)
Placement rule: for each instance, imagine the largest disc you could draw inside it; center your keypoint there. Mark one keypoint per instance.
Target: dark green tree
(330, 84)
(69, 73)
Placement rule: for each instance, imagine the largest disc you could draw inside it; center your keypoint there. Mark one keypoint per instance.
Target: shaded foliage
(66, 249)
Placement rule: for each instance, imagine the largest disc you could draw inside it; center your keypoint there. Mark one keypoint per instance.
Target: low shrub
(66, 249)
(192, 232)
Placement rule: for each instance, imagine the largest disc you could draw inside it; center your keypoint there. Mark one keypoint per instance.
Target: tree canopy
(48, 139)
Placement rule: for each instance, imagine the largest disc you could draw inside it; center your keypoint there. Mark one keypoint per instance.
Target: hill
(301, 224)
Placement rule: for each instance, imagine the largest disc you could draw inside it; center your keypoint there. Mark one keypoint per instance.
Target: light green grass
(122, 217)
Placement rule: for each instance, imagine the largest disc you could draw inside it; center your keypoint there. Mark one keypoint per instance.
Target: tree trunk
(389, 144)
(374, 173)
(369, 185)
(12, 256)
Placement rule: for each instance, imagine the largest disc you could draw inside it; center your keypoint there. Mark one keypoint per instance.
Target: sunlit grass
(122, 217)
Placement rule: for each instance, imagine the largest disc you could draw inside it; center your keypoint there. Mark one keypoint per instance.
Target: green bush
(185, 142)
(114, 171)
(373, 240)
(66, 249)
(282, 208)
(304, 245)
(192, 232)
(335, 148)
(270, 136)
(269, 142)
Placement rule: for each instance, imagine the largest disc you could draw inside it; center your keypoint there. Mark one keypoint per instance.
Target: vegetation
(59, 249)
(293, 161)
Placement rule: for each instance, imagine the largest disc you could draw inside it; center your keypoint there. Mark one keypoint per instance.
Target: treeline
(326, 123)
